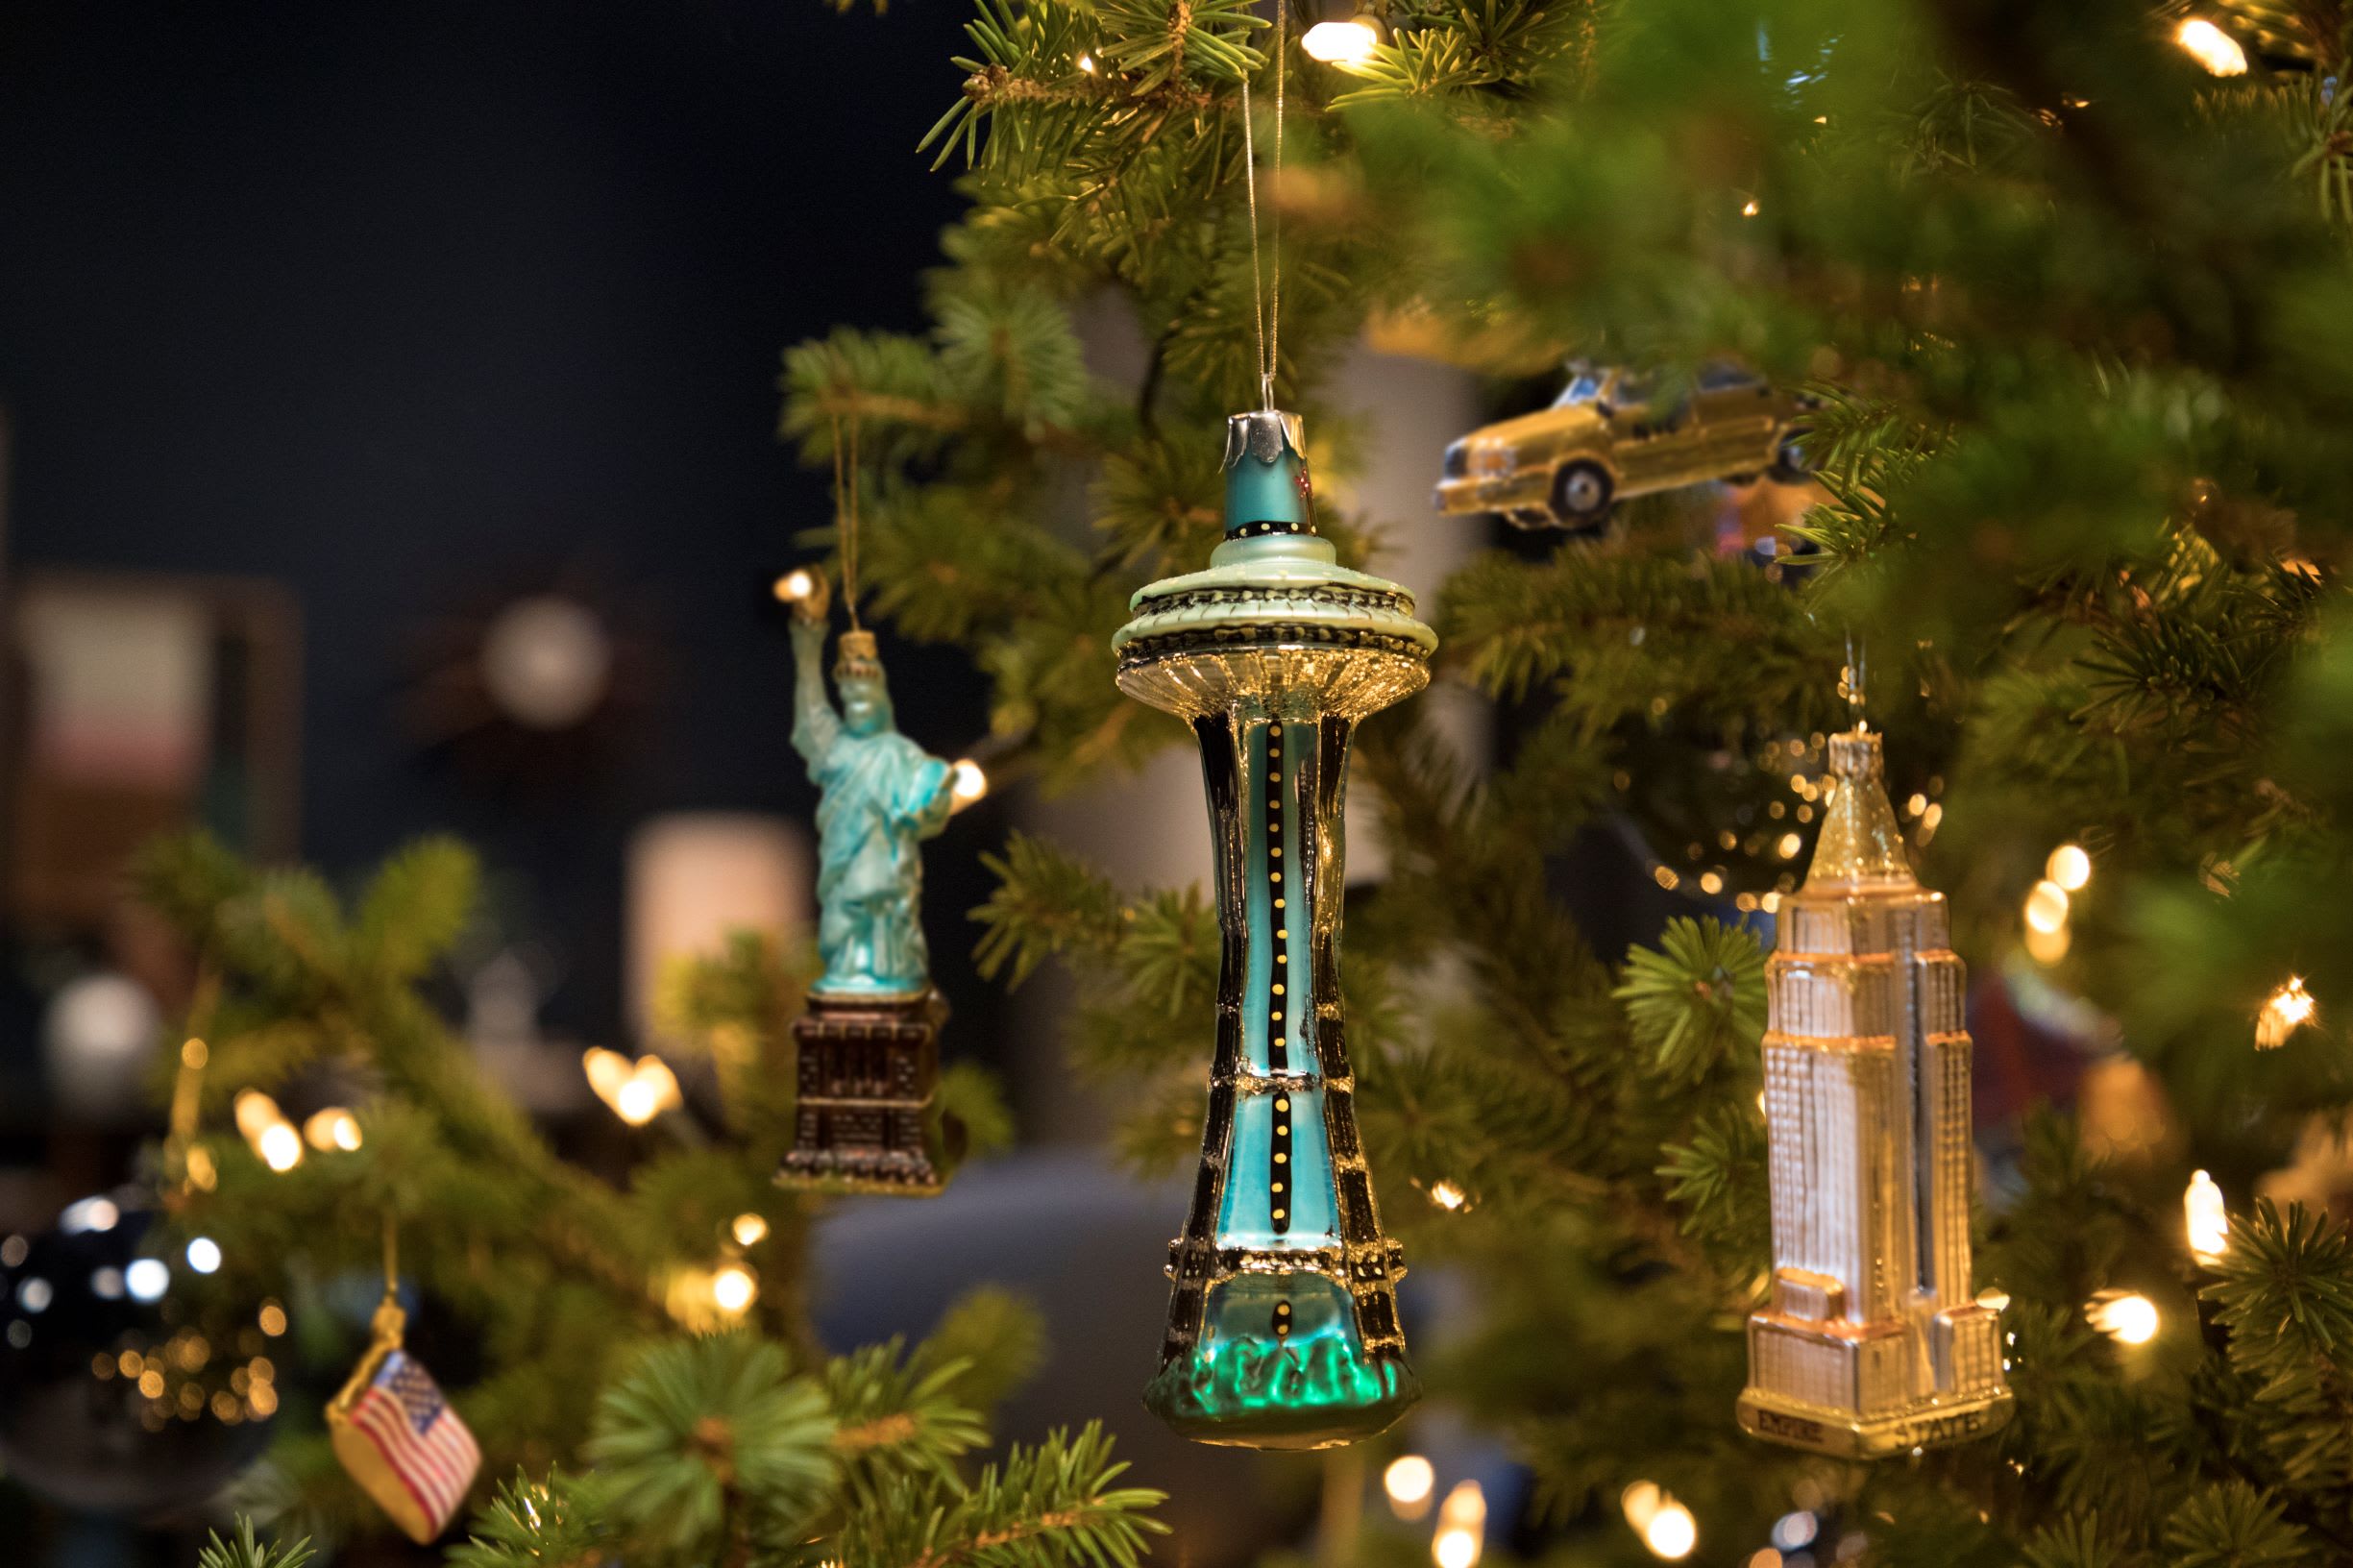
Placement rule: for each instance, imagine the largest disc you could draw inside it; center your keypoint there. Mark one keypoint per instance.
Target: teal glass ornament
(1283, 1328)
(880, 796)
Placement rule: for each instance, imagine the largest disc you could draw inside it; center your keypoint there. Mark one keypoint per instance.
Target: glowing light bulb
(1342, 43)
(256, 1114)
(1447, 1195)
(2211, 47)
(203, 1255)
(1463, 1526)
(2284, 1011)
(967, 783)
(1086, 63)
(733, 1290)
(280, 1146)
(1409, 1480)
(2126, 1316)
(331, 1129)
(1671, 1532)
(795, 586)
(2049, 946)
(2207, 1220)
(1640, 1502)
(748, 1230)
(2046, 907)
(638, 1091)
(2068, 867)
(1749, 208)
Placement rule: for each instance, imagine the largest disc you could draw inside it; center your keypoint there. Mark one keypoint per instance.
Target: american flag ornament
(399, 1437)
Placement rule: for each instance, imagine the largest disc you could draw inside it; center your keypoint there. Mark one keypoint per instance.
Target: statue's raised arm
(815, 726)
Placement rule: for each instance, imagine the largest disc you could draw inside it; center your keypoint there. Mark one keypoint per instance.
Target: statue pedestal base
(867, 1068)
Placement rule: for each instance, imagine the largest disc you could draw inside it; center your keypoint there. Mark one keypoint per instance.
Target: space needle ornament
(1283, 1329)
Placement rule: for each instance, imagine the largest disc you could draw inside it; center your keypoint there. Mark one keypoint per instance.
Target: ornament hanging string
(1267, 303)
(845, 512)
(1850, 681)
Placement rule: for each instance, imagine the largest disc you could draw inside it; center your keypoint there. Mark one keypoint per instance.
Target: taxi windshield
(1582, 389)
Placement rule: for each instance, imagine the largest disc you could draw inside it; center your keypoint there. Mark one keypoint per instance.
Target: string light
(1342, 43)
(733, 1290)
(2068, 867)
(2046, 907)
(638, 1091)
(795, 586)
(331, 1129)
(280, 1146)
(2211, 47)
(2049, 946)
(1749, 208)
(1408, 1481)
(1462, 1526)
(1447, 1195)
(1666, 1527)
(266, 1128)
(2206, 1219)
(1672, 1533)
(750, 1230)
(2284, 1011)
(1086, 63)
(2126, 1316)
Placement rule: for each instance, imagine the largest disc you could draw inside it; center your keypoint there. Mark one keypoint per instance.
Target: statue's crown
(857, 657)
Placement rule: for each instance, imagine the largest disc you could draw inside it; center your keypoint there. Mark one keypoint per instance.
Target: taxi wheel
(1581, 495)
(1789, 461)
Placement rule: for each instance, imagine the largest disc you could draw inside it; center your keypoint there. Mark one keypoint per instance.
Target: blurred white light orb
(546, 662)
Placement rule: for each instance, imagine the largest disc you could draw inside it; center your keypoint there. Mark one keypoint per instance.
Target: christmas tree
(2066, 293)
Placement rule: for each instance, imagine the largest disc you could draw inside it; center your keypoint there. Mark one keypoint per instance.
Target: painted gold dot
(1283, 1105)
(1278, 903)
(1278, 1186)
(1283, 958)
(1278, 1214)
(1283, 1159)
(1283, 1129)
(1276, 851)
(1278, 991)
(1283, 1306)
(1283, 935)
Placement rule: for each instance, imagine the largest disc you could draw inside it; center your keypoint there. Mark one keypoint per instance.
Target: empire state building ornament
(1873, 1342)
(1283, 1329)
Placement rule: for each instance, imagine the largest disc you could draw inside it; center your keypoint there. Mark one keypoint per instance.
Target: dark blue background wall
(402, 303)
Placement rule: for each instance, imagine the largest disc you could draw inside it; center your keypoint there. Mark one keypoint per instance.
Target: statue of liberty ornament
(866, 1047)
(1872, 1342)
(1283, 1328)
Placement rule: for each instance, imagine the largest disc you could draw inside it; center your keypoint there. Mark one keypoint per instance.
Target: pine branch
(1698, 998)
(710, 1446)
(554, 1523)
(1051, 1506)
(246, 1550)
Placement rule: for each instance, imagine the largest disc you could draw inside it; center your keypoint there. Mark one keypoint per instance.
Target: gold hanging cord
(846, 510)
(1267, 303)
